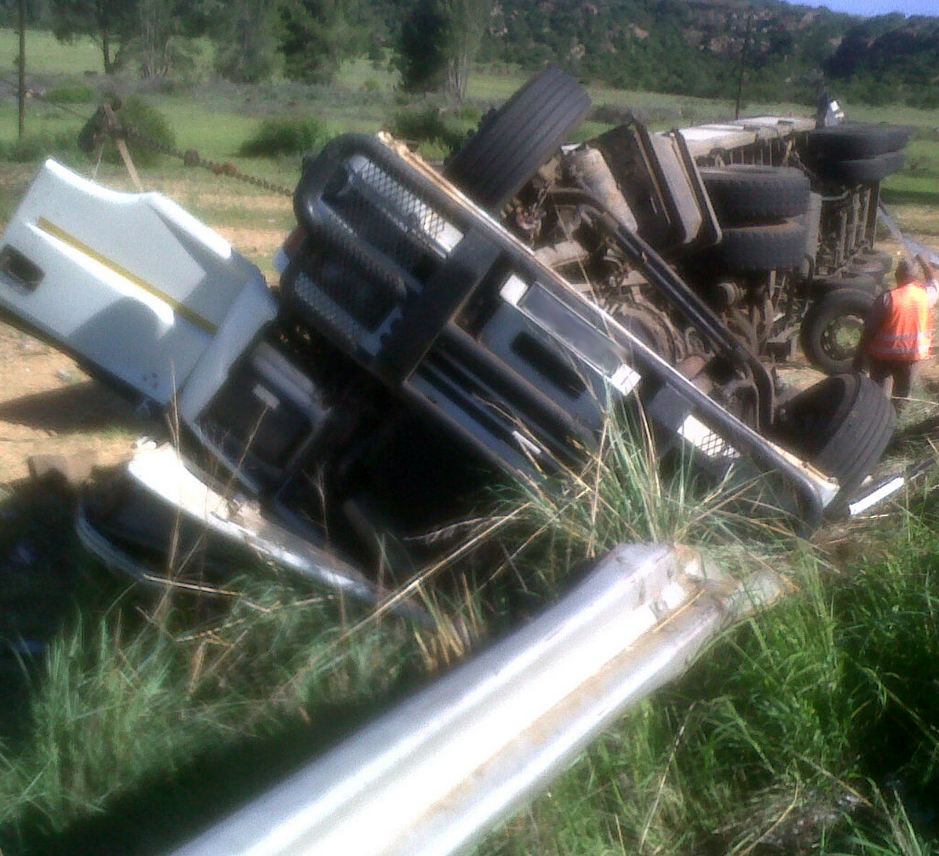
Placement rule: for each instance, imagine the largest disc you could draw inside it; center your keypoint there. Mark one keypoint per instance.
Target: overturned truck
(433, 331)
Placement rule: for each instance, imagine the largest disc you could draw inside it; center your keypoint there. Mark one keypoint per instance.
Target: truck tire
(874, 265)
(762, 248)
(858, 282)
(517, 138)
(856, 142)
(743, 194)
(831, 329)
(864, 171)
(842, 426)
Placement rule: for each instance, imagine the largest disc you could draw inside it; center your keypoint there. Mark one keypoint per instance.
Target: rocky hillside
(696, 46)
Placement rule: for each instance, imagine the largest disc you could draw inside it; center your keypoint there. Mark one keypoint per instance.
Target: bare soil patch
(48, 405)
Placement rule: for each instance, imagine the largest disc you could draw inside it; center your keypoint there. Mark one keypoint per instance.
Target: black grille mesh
(338, 282)
(384, 214)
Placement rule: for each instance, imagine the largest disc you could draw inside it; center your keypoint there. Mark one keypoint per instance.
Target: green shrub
(370, 85)
(140, 116)
(37, 147)
(469, 113)
(71, 95)
(923, 100)
(610, 114)
(428, 125)
(286, 136)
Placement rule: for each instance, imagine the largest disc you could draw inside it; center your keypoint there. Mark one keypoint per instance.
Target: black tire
(866, 270)
(875, 265)
(743, 194)
(859, 282)
(865, 171)
(842, 425)
(831, 329)
(762, 248)
(513, 141)
(856, 142)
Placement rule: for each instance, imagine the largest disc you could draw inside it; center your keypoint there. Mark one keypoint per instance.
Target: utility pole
(22, 69)
(743, 63)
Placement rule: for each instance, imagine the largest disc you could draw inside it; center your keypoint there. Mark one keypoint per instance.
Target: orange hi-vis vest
(905, 334)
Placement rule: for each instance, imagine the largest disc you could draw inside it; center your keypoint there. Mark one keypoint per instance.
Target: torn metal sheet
(161, 473)
(879, 492)
(434, 774)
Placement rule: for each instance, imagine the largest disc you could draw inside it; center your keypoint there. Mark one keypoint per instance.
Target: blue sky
(878, 7)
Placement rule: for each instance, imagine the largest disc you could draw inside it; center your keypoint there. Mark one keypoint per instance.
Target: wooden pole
(22, 69)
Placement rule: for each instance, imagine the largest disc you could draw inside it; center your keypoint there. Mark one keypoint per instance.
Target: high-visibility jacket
(904, 334)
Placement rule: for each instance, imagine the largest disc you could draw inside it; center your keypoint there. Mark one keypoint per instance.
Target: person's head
(904, 272)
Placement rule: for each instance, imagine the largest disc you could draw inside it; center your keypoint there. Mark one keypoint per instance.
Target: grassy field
(813, 729)
(810, 729)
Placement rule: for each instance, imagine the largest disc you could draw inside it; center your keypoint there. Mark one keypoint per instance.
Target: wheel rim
(841, 337)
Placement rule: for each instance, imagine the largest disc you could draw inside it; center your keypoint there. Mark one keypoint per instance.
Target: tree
(155, 28)
(439, 39)
(316, 37)
(106, 21)
(466, 23)
(420, 57)
(245, 40)
(155, 32)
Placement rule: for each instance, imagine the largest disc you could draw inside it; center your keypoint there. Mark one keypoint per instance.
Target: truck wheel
(513, 141)
(864, 171)
(856, 142)
(743, 194)
(762, 248)
(842, 426)
(831, 329)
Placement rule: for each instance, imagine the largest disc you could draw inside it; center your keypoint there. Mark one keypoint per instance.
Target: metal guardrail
(437, 772)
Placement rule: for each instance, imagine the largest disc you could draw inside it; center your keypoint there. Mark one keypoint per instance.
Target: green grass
(813, 728)
(47, 55)
(134, 702)
(182, 706)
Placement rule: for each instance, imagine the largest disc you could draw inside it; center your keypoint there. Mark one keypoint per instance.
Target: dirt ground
(50, 406)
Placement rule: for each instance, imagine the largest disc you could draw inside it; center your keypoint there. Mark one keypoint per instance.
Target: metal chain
(191, 157)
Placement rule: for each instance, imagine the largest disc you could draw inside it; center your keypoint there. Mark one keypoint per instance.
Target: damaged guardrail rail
(434, 774)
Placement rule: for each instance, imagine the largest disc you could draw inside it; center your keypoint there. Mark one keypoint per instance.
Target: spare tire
(832, 327)
(742, 194)
(517, 138)
(841, 425)
(856, 142)
(747, 249)
(865, 171)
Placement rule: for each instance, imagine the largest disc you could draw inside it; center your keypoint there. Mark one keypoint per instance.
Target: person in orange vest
(898, 331)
